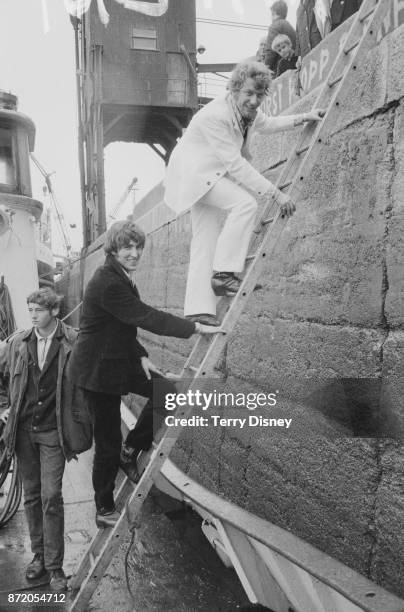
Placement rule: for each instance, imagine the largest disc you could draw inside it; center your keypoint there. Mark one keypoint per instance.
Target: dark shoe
(36, 568)
(225, 283)
(130, 469)
(106, 518)
(58, 581)
(128, 453)
(205, 319)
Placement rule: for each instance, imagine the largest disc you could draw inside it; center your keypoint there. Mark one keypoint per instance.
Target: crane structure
(131, 187)
(59, 213)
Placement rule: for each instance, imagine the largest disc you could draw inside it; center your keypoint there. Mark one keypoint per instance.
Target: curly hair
(121, 234)
(250, 70)
(279, 39)
(46, 298)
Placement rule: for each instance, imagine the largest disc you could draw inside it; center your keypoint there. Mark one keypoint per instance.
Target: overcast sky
(37, 64)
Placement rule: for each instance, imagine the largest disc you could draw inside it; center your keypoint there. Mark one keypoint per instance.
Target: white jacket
(211, 147)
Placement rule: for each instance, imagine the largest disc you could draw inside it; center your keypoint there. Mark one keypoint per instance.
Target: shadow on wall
(362, 405)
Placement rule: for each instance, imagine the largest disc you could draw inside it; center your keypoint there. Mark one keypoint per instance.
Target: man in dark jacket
(307, 32)
(108, 361)
(279, 25)
(342, 10)
(47, 424)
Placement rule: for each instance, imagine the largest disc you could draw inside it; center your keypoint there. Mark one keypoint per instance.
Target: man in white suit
(209, 172)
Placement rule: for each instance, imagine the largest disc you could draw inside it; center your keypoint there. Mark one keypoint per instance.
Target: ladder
(362, 36)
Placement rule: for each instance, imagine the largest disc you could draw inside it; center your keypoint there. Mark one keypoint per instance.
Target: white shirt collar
(49, 337)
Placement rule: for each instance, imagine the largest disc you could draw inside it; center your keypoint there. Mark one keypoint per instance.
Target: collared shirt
(242, 122)
(128, 275)
(43, 345)
(38, 410)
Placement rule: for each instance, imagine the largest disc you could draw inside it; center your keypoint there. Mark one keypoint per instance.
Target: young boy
(108, 361)
(282, 45)
(41, 427)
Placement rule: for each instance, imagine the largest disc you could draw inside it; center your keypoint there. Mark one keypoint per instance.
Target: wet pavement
(171, 566)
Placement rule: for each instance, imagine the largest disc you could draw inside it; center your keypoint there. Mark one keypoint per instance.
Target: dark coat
(342, 10)
(278, 26)
(285, 64)
(106, 357)
(72, 417)
(307, 32)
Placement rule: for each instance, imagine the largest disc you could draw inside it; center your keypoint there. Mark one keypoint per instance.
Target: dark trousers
(106, 413)
(41, 464)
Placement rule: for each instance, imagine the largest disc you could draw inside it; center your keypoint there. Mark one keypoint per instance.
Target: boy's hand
(200, 328)
(148, 366)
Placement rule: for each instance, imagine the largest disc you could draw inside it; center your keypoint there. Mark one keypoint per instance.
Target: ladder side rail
(327, 96)
(319, 132)
(99, 539)
(309, 129)
(347, 60)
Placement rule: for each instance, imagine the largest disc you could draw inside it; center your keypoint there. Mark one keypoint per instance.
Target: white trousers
(215, 250)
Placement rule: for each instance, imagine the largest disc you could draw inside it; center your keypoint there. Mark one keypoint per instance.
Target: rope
(71, 312)
(9, 475)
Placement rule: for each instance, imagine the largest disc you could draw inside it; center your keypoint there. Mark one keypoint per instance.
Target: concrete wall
(331, 309)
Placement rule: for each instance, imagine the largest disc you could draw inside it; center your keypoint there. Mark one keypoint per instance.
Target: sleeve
(268, 125)
(120, 301)
(138, 349)
(298, 51)
(271, 57)
(3, 356)
(217, 131)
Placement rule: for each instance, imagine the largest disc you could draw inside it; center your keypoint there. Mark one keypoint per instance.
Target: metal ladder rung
(370, 11)
(302, 150)
(349, 49)
(285, 185)
(280, 162)
(336, 80)
(266, 222)
(250, 257)
(193, 368)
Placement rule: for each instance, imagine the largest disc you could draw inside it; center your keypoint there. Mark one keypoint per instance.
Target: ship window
(7, 163)
(144, 39)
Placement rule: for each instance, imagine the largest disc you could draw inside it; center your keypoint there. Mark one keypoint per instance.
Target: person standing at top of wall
(307, 32)
(287, 57)
(279, 25)
(342, 10)
(260, 55)
(209, 172)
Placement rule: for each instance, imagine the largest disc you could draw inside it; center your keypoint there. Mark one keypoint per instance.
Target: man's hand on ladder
(287, 207)
(314, 115)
